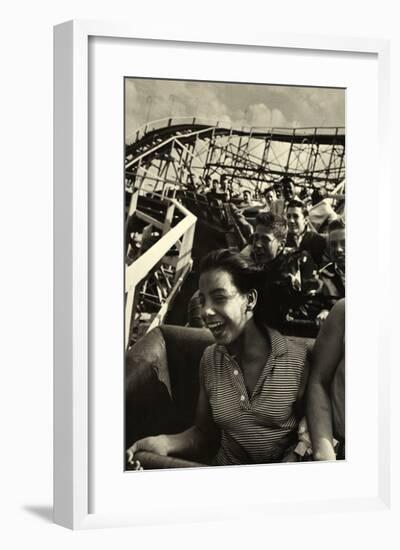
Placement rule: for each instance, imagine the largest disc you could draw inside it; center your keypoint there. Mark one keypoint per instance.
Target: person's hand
(157, 444)
(324, 451)
(137, 465)
(303, 427)
(322, 315)
(303, 447)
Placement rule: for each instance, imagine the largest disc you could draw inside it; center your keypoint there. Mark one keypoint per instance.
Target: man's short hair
(336, 224)
(276, 224)
(297, 203)
(288, 187)
(286, 180)
(270, 187)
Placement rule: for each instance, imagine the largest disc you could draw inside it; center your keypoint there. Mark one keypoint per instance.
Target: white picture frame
(76, 481)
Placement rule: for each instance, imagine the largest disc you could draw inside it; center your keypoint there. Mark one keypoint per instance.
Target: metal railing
(204, 121)
(181, 236)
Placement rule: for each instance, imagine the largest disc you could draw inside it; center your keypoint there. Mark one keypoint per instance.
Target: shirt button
(235, 372)
(242, 398)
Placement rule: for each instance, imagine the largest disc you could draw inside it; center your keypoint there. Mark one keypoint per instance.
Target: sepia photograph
(235, 267)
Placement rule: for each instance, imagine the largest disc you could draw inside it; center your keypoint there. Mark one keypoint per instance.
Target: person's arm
(244, 225)
(326, 356)
(192, 443)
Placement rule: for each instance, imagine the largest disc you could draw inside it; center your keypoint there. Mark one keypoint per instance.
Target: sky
(237, 104)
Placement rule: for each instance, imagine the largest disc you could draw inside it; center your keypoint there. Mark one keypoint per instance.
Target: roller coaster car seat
(162, 383)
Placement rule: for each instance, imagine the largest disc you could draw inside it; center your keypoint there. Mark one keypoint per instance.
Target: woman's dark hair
(244, 273)
(247, 276)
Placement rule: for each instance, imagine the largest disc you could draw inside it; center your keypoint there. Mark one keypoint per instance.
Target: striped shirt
(259, 428)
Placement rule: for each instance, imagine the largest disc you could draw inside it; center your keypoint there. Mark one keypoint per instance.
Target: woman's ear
(252, 296)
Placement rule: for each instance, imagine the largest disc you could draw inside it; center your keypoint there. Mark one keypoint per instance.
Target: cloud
(261, 115)
(236, 104)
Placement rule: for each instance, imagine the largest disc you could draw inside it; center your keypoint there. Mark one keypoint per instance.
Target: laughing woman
(250, 380)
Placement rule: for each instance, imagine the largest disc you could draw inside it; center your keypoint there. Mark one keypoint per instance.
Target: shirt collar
(278, 343)
(301, 237)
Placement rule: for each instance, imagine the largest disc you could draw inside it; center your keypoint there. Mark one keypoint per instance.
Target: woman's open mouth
(216, 328)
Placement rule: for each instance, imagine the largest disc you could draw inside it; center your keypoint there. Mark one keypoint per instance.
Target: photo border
(72, 254)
